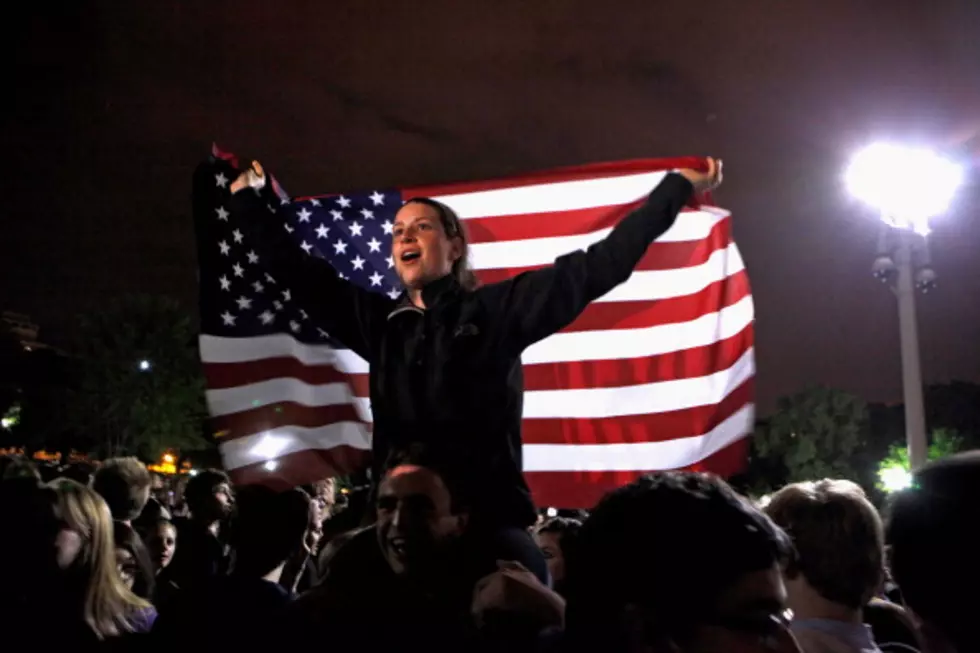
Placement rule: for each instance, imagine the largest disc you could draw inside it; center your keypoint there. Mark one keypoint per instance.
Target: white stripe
(616, 344)
(638, 456)
(557, 196)
(641, 399)
(587, 403)
(689, 227)
(608, 344)
(291, 439)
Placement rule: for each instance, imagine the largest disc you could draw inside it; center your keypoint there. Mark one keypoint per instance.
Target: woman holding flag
(445, 357)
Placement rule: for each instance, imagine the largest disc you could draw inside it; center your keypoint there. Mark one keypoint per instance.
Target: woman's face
(68, 545)
(126, 566)
(162, 543)
(550, 545)
(420, 248)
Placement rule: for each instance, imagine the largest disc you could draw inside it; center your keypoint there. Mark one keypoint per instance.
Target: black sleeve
(349, 313)
(539, 303)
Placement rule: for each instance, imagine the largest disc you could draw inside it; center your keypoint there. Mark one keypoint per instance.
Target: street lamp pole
(915, 418)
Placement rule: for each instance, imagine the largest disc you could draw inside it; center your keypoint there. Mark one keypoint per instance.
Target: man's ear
(457, 247)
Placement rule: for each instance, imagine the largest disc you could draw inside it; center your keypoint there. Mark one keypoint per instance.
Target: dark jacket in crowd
(450, 376)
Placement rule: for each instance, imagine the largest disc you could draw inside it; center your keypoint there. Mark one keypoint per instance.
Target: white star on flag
(222, 213)
(314, 202)
(387, 226)
(286, 295)
(337, 215)
(268, 278)
(374, 245)
(288, 228)
(253, 258)
(267, 317)
(355, 229)
(377, 198)
(225, 247)
(323, 334)
(238, 270)
(376, 279)
(228, 319)
(258, 286)
(394, 293)
(304, 214)
(306, 247)
(340, 247)
(390, 261)
(322, 231)
(357, 262)
(303, 314)
(294, 325)
(244, 302)
(220, 180)
(237, 235)
(277, 304)
(225, 283)
(368, 214)
(343, 202)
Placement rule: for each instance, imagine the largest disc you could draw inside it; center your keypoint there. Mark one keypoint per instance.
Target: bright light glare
(7, 422)
(270, 446)
(270, 465)
(145, 365)
(551, 512)
(168, 458)
(192, 472)
(895, 478)
(908, 185)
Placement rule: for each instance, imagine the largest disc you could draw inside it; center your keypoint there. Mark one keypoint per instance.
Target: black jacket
(451, 375)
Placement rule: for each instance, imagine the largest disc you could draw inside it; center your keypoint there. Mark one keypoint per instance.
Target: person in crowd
(241, 611)
(80, 472)
(89, 586)
(448, 352)
(934, 539)
(152, 513)
(409, 570)
(555, 536)
(133, 561)
(161, 543)
(677, 562)
(203, 551)
(124, 483)
(839, 566)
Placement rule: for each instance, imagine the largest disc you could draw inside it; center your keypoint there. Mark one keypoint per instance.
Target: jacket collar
(432, 294)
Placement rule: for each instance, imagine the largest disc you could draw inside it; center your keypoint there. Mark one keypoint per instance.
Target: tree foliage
(139, 389)
(817, 433)
(942, 443)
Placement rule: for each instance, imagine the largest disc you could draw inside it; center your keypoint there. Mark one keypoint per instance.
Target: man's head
(209, 496)
(421, 511)
(554, 537)
(678, 562)
(267, 528)
(838, 538)
(935, 542)
(124, 483)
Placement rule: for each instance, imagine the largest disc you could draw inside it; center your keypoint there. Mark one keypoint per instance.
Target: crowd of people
(117, 558)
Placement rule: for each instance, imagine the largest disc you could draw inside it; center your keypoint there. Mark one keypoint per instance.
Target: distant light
(907, 185)
(192, 472)
(269, 446)
(551, 512)
(895, 478)
(145, 365)
(169, 459)
(270, 465)
(7, 422)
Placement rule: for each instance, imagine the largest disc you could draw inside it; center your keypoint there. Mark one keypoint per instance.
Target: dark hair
(565, 528)
(127, 539)
(935, 542)
(671, 542)
(453, 227)
(443, 465)
(267, 527)
(200, 487)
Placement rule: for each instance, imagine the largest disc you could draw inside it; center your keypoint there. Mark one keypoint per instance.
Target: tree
(942, 443)
(817, 433)
(140, 390)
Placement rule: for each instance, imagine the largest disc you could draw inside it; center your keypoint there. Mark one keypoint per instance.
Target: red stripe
(303, 467)
(584, 489)
(248, 422)
(558, 175)
(659, 256)
(653, 427)
(686, 364)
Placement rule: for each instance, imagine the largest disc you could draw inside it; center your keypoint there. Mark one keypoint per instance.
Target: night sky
(114, 104)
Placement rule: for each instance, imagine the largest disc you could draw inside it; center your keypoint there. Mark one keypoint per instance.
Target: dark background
(114, 103)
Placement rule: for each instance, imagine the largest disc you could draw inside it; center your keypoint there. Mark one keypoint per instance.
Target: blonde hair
(838, 536)
(108, 604)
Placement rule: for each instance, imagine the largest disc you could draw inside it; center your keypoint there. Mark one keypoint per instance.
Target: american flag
(658, 374)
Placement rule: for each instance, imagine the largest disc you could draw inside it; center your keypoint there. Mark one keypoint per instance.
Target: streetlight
(907, 186)
(145, 365)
